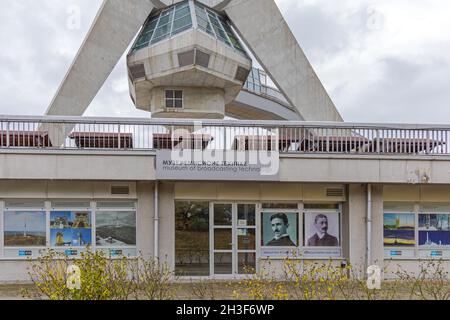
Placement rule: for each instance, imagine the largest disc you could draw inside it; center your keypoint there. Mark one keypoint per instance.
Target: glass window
(192, 238)
(208, 20)
(115, 228)
(181, 12)
(246, 263)
(321, 206)
(24, 229)
(223, 215)
(246, 239)
(174, 99)
(398, 206)
(223, 263)
(223, 239)
(274, 205)
(70, 229)
(246, 215)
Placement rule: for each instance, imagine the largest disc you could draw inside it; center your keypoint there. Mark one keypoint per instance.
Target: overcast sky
(381, 61)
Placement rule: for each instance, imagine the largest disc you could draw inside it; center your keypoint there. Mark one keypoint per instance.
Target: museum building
(244, 161)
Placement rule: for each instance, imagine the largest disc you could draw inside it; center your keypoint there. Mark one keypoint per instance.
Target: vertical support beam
(2, 210)
(156, 223)
(369, 226)
(112, 31)
(271, 41)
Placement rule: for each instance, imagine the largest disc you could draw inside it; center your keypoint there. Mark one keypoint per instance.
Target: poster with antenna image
(115, 228)
(399, 230)
(434, 230)
(24, 229)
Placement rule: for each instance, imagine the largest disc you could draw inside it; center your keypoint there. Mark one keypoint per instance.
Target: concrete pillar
(356, 228)
(167, 223)
(377, 225)
(145, 215)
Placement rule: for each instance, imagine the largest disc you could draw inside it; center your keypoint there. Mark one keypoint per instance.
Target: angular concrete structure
(180, 49)
(122, 20)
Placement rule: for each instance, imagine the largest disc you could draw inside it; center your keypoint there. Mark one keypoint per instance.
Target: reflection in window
(223, 239)
(246, 239)
(223, 215)
(164, 25)
(273, 205)
(246, 215)
(223, 263)
(215, 25)
(192, 238)
(246, 263)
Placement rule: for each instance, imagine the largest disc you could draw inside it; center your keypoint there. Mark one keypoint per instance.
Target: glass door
(222, 239)
(233, 238)
(246, 238)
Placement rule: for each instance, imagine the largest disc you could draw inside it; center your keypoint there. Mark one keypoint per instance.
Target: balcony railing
(75, 133)
(257, 83)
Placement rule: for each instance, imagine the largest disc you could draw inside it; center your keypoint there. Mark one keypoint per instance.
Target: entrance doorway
(233, 239)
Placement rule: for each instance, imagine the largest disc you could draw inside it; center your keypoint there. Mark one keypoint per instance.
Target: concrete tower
(187, 62)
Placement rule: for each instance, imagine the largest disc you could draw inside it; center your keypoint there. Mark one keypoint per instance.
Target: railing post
(120, 138)
(378, 141)
(328, 140)
(224, 139)
(7, 134)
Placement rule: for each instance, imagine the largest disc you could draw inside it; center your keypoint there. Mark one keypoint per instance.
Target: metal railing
(257, 83)
(79, 133)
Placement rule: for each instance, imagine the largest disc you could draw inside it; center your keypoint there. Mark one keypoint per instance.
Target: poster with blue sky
(70, 229)
(24, 229)
(434, 230)
(399, 230)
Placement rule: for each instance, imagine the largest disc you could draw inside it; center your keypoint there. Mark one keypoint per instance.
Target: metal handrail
(227, 123)
(64, 133)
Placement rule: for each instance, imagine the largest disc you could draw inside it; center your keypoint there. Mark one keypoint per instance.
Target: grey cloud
(37, 49)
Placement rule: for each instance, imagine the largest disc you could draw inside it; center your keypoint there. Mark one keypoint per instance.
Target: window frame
(174, 99)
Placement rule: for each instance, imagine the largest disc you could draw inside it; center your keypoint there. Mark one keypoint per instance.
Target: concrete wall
(140, 166)
(146, 213)
(353, 216)
(76, 166)
(167, 223)
(13, 270)
(257, 192)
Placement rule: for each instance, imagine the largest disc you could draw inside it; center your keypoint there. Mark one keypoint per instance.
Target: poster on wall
(399, 230)
(434, 230)
(115, 229)
(70, 229)
(322, 229)
(24, 229)
(279, 229)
